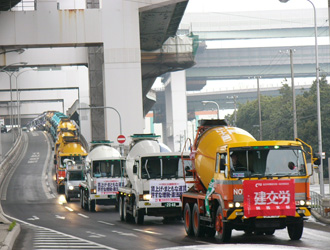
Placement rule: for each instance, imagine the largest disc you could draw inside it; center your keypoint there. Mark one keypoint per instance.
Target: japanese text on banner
(167, 191)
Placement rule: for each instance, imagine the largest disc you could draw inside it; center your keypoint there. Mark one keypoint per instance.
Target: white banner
(108, 185)
(167, 190)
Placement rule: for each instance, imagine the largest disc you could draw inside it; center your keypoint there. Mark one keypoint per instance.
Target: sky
(250, 5)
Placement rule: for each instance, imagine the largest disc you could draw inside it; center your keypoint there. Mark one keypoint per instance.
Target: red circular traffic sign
(121, 138)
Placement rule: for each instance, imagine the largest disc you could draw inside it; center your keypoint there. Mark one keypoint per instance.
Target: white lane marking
(82, 215)
(147, 231)
(33, 218)
(106, 223)
(45, 182)
(59, 217)
(125, 234)
(95, 235)
(60, 233)
(69, 208)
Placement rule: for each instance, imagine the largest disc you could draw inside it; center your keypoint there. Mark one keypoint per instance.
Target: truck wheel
(126, 215)
(138, 215)
(82, 198)
(295, 230)
(120, 205)
(188, 220)
(196, 222)
(223, 229)
(91, 205)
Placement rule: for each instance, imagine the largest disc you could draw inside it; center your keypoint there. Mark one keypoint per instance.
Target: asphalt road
(49, 222)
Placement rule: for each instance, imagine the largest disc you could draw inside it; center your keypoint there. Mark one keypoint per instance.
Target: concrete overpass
(121, 44)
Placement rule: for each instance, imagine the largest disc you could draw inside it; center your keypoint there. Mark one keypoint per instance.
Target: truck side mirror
(134, 169)
(316, 159)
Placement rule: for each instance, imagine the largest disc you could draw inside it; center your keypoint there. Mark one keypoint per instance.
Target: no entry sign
(121, 138)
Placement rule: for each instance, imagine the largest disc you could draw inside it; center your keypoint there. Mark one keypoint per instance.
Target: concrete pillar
(122, 68)
(176, 118)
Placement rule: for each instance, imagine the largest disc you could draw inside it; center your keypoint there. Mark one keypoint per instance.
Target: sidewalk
(7, 238)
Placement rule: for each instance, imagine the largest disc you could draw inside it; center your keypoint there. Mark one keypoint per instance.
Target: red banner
(269, 198)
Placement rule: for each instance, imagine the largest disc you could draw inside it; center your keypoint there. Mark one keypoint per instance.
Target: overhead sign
(121, 138)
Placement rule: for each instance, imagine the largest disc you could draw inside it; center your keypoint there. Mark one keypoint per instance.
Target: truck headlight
(93, 191)
(71, 187)
(146, 197)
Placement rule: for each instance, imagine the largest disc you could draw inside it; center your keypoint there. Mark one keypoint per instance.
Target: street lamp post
(259, 105)
(318, 99)
(120, 127)
(234, 97)
(205, 102)
(11, 94)
(18, 96)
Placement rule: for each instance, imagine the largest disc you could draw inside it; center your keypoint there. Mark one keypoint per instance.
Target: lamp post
(259, 105)
(318, 99)
(18, 97)
(205, 102)
(11, 93)
(234, 97)
(120, 128)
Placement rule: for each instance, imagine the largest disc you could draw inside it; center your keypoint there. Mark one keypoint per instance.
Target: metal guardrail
(320, 204)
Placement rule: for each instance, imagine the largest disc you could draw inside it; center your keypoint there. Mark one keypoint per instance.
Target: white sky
(250, 5)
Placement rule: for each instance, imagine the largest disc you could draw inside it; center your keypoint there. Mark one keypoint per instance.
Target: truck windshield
(75, 175)
(269, 161)
(164, 167)
(108, 168)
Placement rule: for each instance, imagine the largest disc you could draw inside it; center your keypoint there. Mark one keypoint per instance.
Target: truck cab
(74, 175)
(155, 182)
(104, 174)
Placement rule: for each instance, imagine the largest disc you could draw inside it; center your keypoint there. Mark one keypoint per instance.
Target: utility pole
(295, 132)
(259, 104)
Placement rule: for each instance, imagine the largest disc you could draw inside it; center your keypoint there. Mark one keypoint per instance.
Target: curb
(320, 218)
(11, 237)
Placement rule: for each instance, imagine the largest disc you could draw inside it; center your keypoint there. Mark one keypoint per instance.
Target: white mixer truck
(104, 168)
(155, 180)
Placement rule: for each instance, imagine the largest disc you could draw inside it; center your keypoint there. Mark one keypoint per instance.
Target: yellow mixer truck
(244, 184)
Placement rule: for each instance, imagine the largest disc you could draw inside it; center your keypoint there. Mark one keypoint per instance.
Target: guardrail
(321, 204)
(9, 159)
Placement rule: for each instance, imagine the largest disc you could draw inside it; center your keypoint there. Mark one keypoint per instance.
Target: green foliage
(277, 116)
(11, 226)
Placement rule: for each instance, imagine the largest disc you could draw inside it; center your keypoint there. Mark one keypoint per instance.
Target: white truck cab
(155, 181)
(104, 174)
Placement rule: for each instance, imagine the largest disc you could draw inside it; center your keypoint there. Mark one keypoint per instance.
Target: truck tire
(295, 230)
(188, 220)
(82, 198)
(223, 228)
(138, 215)
(91, 205)
(196, 222)
(126, 215)
(121, 208)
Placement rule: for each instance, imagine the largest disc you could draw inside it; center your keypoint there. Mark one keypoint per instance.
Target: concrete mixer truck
(154, 180)
(244, 184)
(104, 168)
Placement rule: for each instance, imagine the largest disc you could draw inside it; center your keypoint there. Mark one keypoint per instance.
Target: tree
(277, 116)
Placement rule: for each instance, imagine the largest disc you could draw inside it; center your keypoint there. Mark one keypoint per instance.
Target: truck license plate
(170, 204)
